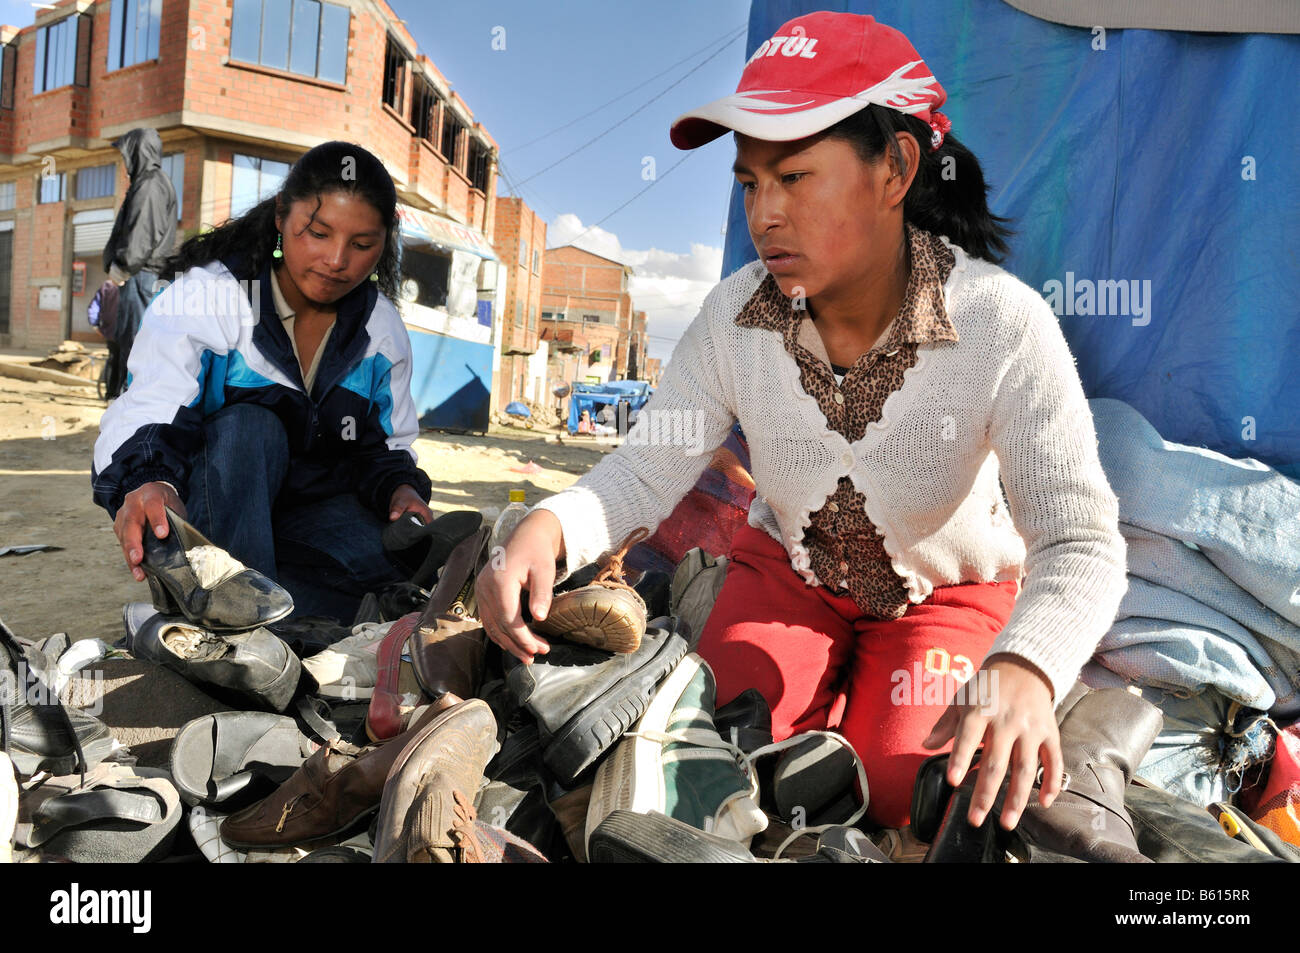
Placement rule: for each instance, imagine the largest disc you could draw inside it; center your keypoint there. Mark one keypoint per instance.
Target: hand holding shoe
(406, 500)
(144, 506)
(527, 562)
(1017, 730)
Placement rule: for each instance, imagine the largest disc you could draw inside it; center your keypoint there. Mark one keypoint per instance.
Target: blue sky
(563, 61)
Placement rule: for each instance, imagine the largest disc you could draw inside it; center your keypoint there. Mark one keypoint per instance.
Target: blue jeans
(327, 553)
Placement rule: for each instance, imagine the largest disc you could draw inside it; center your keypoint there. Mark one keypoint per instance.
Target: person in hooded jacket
(143, 235)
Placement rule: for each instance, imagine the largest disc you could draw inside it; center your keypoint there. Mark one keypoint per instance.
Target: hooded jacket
(145, 228)
(213, 338)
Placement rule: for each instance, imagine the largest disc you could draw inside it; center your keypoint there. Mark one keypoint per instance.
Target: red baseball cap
(813, 72)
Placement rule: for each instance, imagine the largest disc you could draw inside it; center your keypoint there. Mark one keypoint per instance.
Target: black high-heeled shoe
(189, 576)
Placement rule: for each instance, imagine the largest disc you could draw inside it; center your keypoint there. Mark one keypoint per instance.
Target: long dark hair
(948, 196)
(330, 167)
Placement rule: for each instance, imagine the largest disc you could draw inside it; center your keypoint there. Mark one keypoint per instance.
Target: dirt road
(47, 434)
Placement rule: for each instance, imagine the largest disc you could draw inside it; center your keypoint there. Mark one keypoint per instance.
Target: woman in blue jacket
(269, 390)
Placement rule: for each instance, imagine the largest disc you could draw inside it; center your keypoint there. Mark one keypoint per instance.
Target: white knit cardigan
(1004, 400)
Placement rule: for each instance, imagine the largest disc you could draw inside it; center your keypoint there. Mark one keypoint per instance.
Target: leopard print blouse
(845, 549)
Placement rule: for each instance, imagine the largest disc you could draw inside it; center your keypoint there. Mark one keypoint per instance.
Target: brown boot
(608, 614)
(335, 788)
(418, 812)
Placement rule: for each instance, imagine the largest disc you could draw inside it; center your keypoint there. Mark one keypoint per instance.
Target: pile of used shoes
(408, 738)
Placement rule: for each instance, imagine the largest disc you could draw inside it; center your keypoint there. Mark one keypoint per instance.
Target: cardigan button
(839, 398)
(833, 506)
(847, 459)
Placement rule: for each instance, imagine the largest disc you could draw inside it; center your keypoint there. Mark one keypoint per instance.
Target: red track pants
(821, 665)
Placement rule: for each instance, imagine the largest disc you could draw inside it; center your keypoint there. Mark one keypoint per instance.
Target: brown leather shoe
(418, 814)
(607, 614)
(335, 788)
(448, 656)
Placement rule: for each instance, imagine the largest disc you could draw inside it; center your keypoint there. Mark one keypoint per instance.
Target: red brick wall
(189, 76)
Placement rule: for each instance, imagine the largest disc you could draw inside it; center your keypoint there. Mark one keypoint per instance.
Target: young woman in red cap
(930, 508)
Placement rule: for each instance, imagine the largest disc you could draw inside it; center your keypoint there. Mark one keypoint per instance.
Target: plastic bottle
(509, 518)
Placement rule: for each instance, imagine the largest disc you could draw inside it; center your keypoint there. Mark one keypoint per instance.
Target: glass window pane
(243, 185)
(275, 34)
(128, 32)
(174, 166)
(142, 30)
(333, 61)
(8, 193)
(306, 23)
(273, 176)
(54, 50)
(246, 30)
(114, 36)
(38, 83)
(155, 24)
(70, 50)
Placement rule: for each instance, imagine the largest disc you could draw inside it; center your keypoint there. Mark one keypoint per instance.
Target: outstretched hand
(1017, 726)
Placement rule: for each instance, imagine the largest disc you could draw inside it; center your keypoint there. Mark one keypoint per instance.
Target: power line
(640, 108)
(726, 36)
(653, 183)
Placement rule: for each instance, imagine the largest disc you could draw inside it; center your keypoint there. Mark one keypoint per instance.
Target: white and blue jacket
(212, 339)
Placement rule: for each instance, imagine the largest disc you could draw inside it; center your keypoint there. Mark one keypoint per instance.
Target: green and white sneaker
(675, 762)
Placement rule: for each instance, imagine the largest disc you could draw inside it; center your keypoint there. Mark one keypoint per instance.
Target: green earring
(277, 253)
(374, 276)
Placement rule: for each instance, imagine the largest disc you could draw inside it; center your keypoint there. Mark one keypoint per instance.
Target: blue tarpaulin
(1161, 159)
(594, 397)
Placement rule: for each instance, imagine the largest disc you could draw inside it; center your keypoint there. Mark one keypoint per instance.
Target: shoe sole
(591, 732)
(609, 619)
(629, 838)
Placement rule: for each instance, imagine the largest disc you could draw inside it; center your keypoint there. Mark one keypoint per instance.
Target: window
(426, 109)
(519, 314)
(97, 181)
(523, 251)
(537, 261)
(532, 321)
(53, 188)
(133, 32)
(8, 68)
(452, 128)
(307, 37)
(8, 192)
(477, 168)
(395, 70)
(591, 317)
(62, 54)
(430, 272)
(174, 166)
(253, 180)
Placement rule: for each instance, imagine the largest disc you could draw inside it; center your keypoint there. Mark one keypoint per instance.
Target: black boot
(1104, 736)
(585, 698)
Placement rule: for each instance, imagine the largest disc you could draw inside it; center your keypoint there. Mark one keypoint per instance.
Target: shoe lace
(611, 572)
(464, 831)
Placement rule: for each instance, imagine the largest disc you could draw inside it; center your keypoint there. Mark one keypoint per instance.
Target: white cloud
(668, 286)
